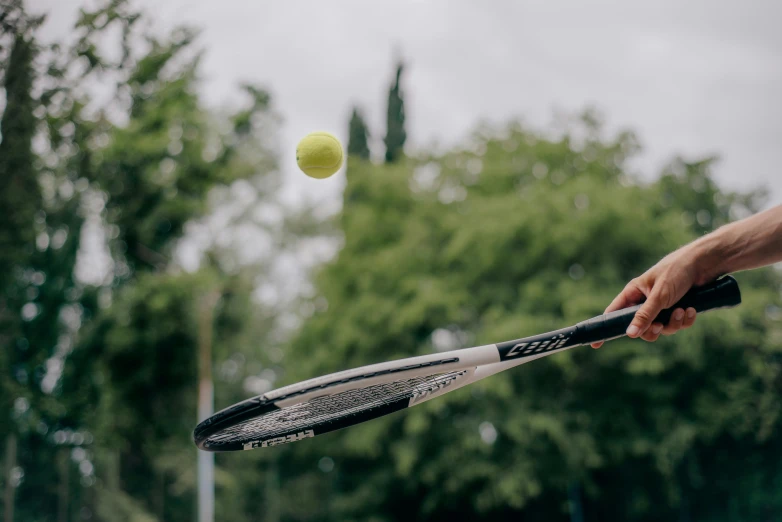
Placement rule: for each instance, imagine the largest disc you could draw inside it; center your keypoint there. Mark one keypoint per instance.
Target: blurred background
(510, 168)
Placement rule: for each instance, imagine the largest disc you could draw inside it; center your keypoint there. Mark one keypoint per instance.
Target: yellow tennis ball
(319, 154)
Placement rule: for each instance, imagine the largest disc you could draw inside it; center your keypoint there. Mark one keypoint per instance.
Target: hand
(662, 286)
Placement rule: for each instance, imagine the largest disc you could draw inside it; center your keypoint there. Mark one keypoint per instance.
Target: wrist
(710, 257)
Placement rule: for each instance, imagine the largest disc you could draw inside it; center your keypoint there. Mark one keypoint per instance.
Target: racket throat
(448, 383)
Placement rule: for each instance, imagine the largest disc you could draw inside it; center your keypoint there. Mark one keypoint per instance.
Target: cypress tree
(19, 198)
(395, 129)
(19, 192)
(358, 136)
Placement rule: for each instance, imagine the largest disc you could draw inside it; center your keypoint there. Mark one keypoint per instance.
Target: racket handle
(722, 293)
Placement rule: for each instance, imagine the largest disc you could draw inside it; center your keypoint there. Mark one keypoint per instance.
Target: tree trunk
(206, 460)
(574, 500)
(113, 470)
(272, 513)
(161, 498)
(64, 486)
(10, 485)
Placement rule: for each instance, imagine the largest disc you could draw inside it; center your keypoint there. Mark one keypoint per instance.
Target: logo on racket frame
(535, 347)
(279, 440)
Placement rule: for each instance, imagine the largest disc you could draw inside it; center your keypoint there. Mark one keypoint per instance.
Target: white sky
(694, 77)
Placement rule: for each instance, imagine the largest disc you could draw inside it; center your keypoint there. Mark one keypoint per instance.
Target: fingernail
(678, 314)
(632, 330)
(691, 312)
(657, 328)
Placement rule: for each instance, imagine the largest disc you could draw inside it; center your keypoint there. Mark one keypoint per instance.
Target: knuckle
(643, 315)
(664, 295)
(634, 285)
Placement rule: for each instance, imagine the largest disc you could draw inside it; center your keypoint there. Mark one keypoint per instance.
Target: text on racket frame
(530, 348)
(279, 440)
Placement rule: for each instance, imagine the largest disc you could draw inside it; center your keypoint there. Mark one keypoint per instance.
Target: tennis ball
(319, 154)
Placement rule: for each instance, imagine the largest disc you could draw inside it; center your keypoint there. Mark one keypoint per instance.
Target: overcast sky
(691, 77)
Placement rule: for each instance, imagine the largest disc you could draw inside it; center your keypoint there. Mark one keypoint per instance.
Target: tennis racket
(342, 399)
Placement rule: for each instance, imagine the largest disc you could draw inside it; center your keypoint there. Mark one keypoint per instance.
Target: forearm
(750, 243)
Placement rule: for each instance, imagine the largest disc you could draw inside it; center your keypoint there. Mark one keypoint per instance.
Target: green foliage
(395, 122)
(39, 240)
(515, 235)
(143, 370)
(119, 417)
(358, 136)
(20, 196)
(19, 192)
(154, 169)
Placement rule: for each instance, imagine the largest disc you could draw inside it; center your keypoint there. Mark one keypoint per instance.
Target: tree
(24, 298)
(157, 173)
(358, 136)
(18, 183)
(395, 123)
(167, 162)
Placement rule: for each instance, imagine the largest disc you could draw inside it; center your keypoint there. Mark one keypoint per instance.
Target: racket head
(338, 400)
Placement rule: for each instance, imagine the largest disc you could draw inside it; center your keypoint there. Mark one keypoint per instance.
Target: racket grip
(722, 293)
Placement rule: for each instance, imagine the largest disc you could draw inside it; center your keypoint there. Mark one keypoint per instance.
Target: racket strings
(329, 408)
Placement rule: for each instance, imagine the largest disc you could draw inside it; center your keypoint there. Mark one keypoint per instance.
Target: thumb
(657, 300)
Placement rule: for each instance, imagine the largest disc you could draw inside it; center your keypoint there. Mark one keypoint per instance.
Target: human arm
(749, 243)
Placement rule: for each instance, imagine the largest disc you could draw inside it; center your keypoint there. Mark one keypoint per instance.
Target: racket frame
(472, 364)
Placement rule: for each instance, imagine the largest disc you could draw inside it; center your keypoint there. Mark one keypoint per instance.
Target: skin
(750, 243)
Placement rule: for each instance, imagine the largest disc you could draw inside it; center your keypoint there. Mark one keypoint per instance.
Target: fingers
(689, 317)
(630, 295)
(675, 324)
(657, 301)
(680, 320)
(653, 332)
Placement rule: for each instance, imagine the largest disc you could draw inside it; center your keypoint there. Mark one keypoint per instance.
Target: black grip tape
(722, 293)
